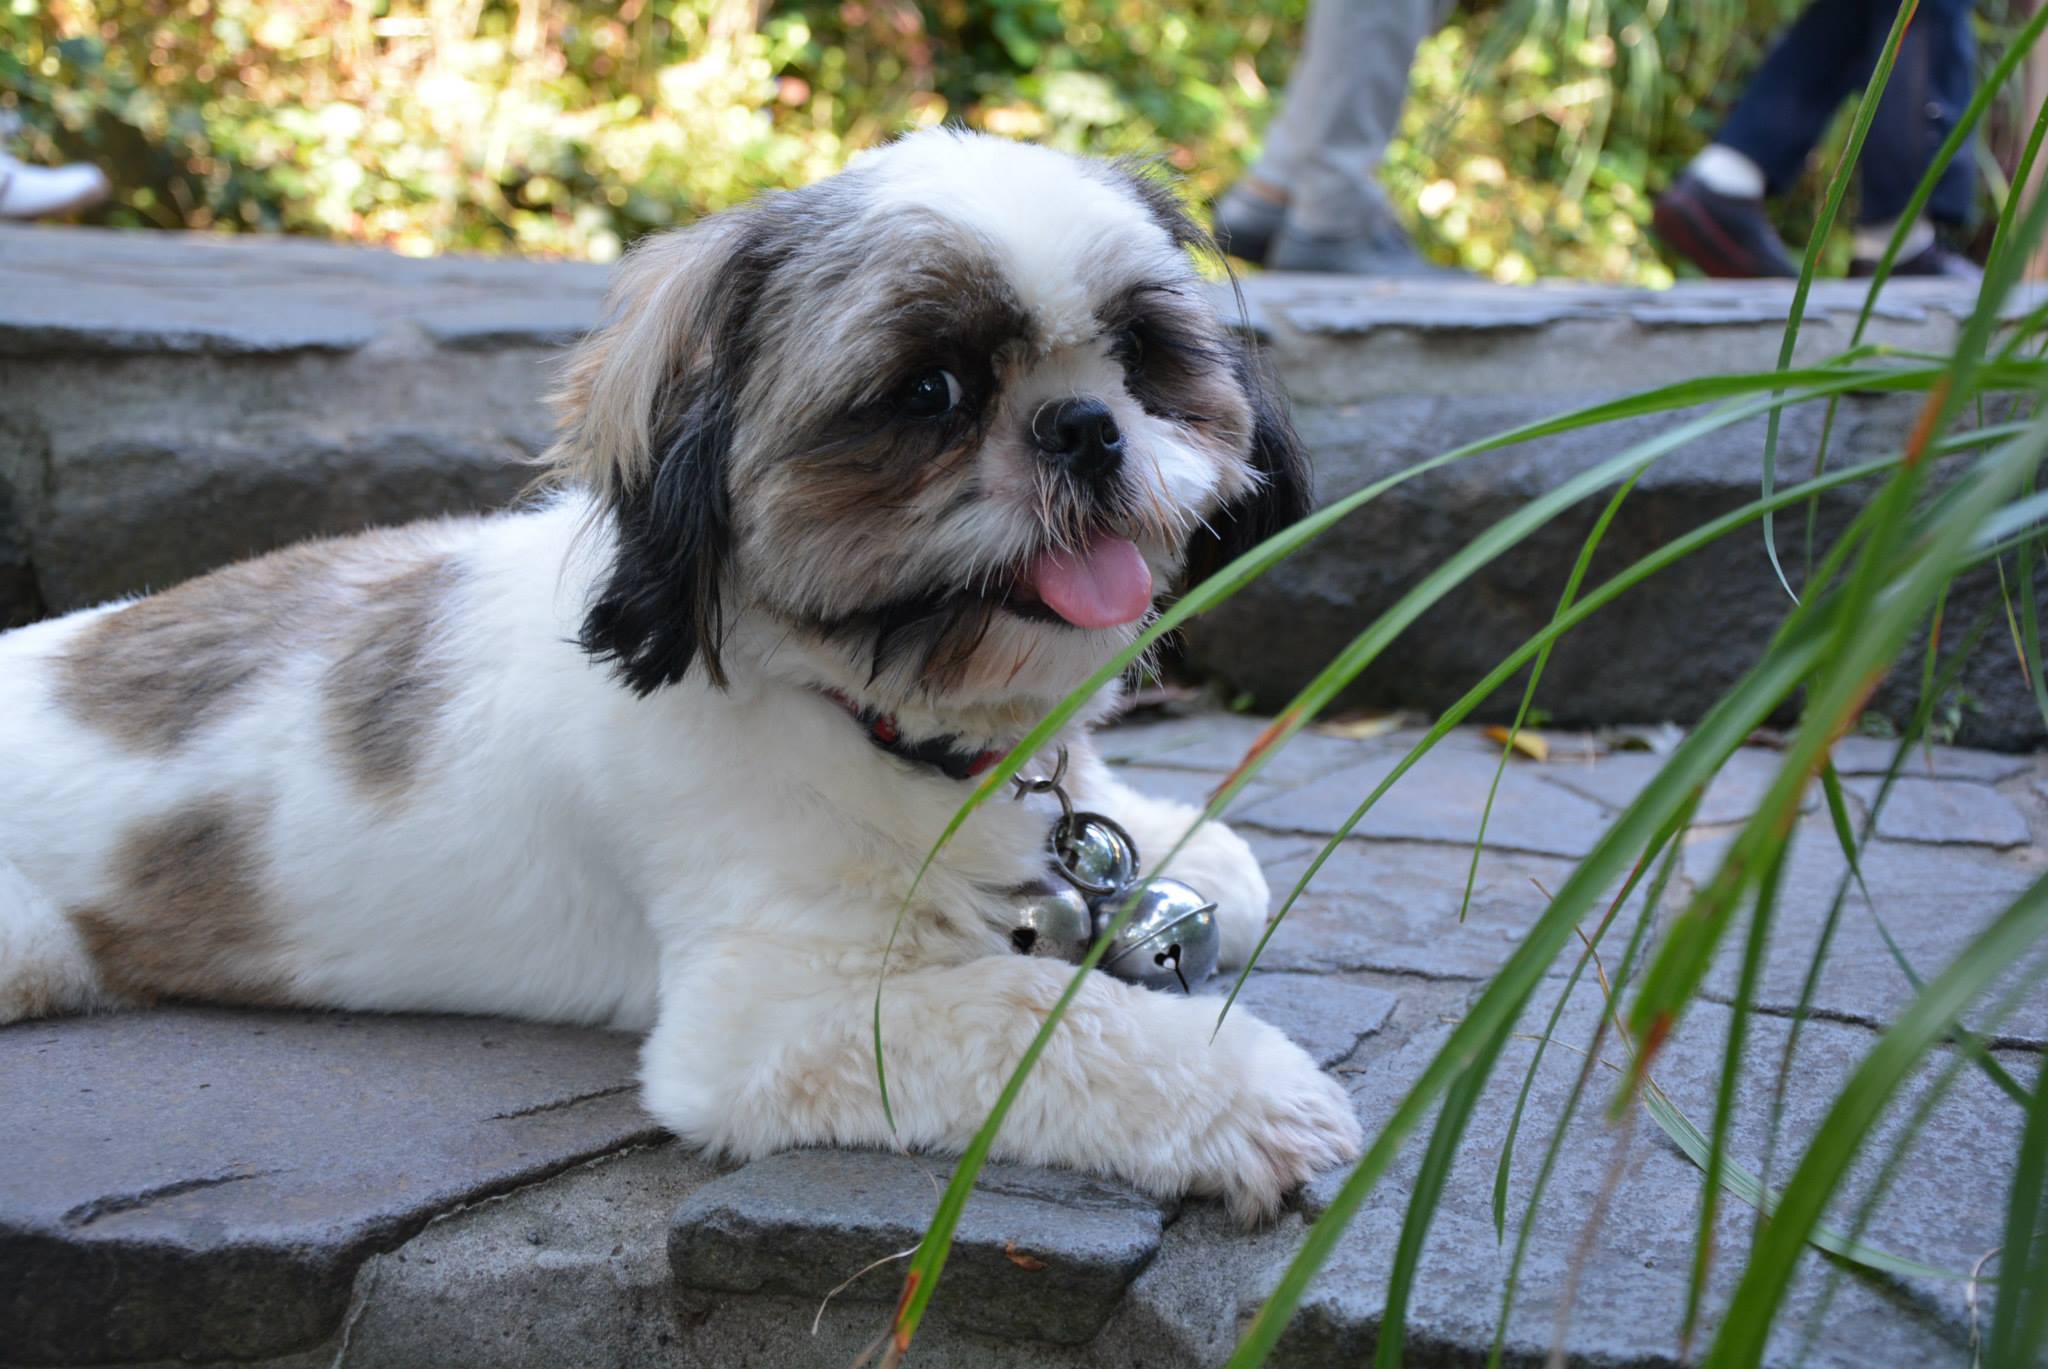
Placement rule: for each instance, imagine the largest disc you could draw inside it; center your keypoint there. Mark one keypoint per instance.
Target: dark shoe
(1390, 252)
(1246, 223)
(1931, 260)
(1726, 236)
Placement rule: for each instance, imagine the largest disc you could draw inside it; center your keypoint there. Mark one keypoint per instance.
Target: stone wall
(1386, 376)
(171, 403)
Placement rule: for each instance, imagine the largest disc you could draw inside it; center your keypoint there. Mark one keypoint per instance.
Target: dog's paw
(1288, 1123)
(1218, 864)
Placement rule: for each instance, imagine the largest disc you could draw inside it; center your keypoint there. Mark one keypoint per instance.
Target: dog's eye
(1130, 347)
(931, 394)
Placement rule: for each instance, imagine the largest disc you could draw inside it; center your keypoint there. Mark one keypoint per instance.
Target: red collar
(942, 754)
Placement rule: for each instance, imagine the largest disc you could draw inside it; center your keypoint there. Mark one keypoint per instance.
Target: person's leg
(1318, 173)
(1929, 89)
(1344, 106)
(1827, 54)
(1713, 214)
(1952, 80)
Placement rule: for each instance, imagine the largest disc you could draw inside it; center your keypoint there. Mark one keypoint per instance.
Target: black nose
(1081, 435)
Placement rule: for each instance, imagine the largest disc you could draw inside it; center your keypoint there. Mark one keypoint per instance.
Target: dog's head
(950, 420)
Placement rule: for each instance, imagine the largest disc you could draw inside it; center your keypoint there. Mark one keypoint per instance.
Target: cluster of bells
(1170, 939)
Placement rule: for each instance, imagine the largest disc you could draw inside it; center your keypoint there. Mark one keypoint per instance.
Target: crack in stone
(1498, 847)
(1871, 1022)
(556, 1105)
(370, 1271)
(85, 1214)
(1332, 968)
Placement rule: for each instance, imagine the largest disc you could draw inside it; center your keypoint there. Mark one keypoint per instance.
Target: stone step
(296, 1189)
(1385, 376)
(171, 402)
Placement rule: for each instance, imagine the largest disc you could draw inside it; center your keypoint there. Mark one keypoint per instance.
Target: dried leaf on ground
(1358, 727)
(1021, 1259)
(1534, 745)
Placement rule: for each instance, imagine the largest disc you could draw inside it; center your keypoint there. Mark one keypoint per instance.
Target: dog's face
(949, 421)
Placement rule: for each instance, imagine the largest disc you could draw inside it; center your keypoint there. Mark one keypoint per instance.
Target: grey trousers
(1341, 108)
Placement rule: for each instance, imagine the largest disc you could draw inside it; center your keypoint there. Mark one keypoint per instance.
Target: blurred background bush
(1537, 131)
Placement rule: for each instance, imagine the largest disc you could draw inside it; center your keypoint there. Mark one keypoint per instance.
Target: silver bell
(1094, 854)
(1171, 939)
(1053, 921)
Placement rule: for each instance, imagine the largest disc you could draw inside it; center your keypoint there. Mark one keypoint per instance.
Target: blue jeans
(1826, 57)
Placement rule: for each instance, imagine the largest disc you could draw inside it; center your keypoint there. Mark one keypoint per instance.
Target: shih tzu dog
(853, 485)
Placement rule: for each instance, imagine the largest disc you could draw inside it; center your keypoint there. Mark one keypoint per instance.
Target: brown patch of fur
(187, 916)
(384, 689)
(156, 671)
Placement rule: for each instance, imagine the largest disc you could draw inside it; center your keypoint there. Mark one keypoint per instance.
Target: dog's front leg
(765, 1044)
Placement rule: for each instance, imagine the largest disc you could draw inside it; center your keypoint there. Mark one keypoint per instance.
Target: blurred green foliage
(1537, 130)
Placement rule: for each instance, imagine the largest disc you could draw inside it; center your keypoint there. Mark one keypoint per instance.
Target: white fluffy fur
(719, 869)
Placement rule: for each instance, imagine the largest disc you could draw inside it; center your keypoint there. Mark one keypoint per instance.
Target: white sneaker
(34, 192)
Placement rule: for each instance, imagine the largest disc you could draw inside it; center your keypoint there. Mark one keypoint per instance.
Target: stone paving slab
(1212, 744)
(206, 1182)
(1440, 800)
(1043, 1255)
(1614, 781)
(1392, 908)
(572, 1273)
(1630, 1289)
(1933, 899)
(1945, 812)
(1873, 756)
(1326, 1017)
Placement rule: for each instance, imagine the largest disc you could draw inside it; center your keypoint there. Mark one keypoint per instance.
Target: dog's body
(594, 761)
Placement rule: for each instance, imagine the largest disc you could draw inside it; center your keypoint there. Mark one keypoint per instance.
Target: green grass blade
(1754, 1306)
(1838, 185)
(1838, 812)
(1669, 554)
(1965, 125)
(2023, 172)
(1902, 1143)
(1772, 870)
(1494, 1012)
(2019, 1317)
(1660, 843)
(2030, 612)
(1751, 1190)
(1655, 900)
(1880, 627)
(1426, 1196)
(1564, 603)
(1363, 649)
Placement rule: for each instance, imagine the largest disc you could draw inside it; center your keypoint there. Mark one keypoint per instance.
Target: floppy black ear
(659, 608)
(1285, 491)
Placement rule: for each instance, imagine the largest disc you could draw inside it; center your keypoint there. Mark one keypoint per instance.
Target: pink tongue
(1104, 584)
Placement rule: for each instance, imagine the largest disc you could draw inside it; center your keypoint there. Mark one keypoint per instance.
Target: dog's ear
(1152, 183)
(1285, 490)
(647, 415)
